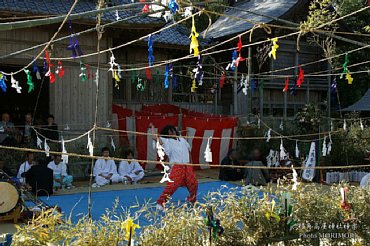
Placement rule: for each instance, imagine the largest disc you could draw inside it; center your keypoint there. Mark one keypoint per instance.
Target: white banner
(309, 174)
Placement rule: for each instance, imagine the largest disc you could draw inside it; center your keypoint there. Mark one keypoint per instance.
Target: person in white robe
(130, 171)
(25, 166)
(105, 171)
(365, 181)
(61, 177)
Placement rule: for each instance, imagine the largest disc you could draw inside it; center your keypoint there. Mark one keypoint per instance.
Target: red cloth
(182, 175)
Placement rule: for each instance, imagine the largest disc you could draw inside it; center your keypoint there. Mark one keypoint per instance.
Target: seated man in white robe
(105, 171)
(60, 176)
(130, 171)
(25, 166)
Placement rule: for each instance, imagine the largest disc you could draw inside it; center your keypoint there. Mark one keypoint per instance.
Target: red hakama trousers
(182, 175)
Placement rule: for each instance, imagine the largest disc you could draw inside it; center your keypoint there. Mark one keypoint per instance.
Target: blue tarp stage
(76, 204)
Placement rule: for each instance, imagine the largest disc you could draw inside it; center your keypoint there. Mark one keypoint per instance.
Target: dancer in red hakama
(177, 150)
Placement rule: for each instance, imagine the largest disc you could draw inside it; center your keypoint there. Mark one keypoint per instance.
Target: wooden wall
(71, 101)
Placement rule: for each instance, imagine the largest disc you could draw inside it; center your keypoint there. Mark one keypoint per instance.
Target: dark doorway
(17, 105)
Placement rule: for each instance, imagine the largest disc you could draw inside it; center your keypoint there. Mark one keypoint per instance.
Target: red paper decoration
(286, 87)
(148, 73)
(222, 79)
(300, 79)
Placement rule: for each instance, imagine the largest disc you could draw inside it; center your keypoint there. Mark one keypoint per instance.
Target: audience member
(61, 178)
(256, 176)
(25, 166)
(131, 170)
(50, 131)
(229, 173)
(27, 132)
(7, 131)
(105, 171)
(40, 178)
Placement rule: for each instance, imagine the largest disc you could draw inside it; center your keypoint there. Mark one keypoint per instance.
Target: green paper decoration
(30, 84)
(83, 72)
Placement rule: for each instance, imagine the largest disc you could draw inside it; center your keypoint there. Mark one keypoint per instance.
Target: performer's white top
(177, 150)
(104, 167)
(60, 169)
(125, 168)
(25, 166)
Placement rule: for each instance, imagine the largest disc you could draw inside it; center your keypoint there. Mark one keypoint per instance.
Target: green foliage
(243, 213)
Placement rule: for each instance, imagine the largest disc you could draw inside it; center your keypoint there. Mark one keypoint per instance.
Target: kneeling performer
(177, 150)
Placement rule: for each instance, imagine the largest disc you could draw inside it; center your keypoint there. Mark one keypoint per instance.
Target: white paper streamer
(15, 84)
(64, 151)
(281, 126)
(112, 63)
(361, 125)
(108, 125)
(97, 78)
(167, 16)
(329, 145)
(331, 126)
(324, 148)
(345, 125)
(46, 148)
(259, 123)
(270, 158)
(295, 179)
(268, 135)
(166, 168)
(89, 146)
(283, 153)
(67, 128)
(188, 11)
(296, 149)
(117, 16)
(112, 143)
(39, 142)
(208, 152)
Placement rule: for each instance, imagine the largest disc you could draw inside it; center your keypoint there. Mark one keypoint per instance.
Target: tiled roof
(176, 35)
(361, 105)
(225, 26)
(60, 7)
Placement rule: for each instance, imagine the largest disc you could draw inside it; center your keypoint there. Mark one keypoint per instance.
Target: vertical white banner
(309, 174)
(202, 160)
(225, 143)
(151, 151)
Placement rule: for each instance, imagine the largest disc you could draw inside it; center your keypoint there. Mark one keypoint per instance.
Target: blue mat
(76, 204)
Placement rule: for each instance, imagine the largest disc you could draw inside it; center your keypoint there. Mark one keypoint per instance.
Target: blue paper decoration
(173, 6)
(2, 82)
(150, 51)
(167, 77)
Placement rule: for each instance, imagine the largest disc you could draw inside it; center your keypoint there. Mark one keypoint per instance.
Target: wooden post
(170, 91)
(329, 94)
(308, 91)
(235, 92)
(249, 73)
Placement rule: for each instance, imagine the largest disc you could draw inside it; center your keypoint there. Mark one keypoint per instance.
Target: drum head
(9, 197)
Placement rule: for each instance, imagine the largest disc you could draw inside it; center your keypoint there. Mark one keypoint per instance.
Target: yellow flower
(349, 78)
(129, 226)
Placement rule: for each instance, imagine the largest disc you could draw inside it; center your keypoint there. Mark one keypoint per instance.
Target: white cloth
(25, 166)
(177, 150)
(58, 169)
(128, 169)
(365, 181)
(105, 167)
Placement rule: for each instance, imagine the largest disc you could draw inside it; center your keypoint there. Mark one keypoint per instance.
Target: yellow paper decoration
(349, 78)
(129, 226)
(194, 41)
(116, 78)
(274, 48)
(193, 86)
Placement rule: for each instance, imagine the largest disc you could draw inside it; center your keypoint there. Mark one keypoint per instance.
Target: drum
(9, 197)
